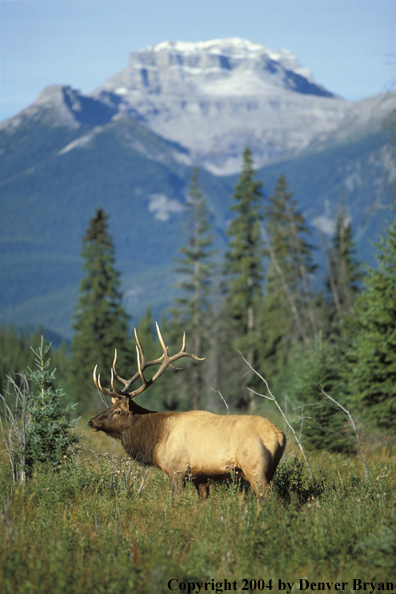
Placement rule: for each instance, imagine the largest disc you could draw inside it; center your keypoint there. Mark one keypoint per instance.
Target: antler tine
(138, 344)
(94, 376)
(182, 353)
(99, 385)
(139, 366)
(164, 347)
(116, 391)
(163, 361)
(142, 364)
(114, 373)
(112, 380)
(167, 360)
(126, 383)
(184, 342)
(115, 361)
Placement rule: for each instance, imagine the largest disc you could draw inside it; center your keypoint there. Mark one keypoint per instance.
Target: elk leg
(259, 472)
(177, 483)
(258, 482)
(259, 486)
(202, 488)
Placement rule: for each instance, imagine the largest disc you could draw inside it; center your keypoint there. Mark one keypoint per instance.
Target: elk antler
(164, 361)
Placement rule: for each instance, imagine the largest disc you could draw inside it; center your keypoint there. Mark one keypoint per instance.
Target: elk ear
(123, 400)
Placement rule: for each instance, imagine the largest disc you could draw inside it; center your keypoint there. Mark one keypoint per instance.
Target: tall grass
(99, 525)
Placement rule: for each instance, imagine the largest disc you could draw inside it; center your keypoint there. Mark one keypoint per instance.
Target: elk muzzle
(91, 425)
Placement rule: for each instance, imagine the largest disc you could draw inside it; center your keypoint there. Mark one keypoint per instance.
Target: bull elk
(196, 443)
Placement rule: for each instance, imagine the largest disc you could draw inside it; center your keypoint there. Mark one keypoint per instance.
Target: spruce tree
(192, 307)
(243, 270)
(288, 313)
(48, 436)
(345, 274)
(316, 368)
(324, 363)
(372, 358)
(100, 322)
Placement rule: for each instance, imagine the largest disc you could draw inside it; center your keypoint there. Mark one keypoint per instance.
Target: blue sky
(349, 45)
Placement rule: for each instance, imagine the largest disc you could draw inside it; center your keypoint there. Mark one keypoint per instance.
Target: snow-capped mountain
(213, 98)
(223, 67)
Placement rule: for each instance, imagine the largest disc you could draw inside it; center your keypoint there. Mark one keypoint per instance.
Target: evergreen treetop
(243, 278)
(195, 265)
(192, 307)
(288, 312)
(100, 322)
(345, 274)
(244, 256)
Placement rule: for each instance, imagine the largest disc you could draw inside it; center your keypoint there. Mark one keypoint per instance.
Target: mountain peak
(228, 45)
(235, 47)
(61, 105)
(209, 96)
(230, 66)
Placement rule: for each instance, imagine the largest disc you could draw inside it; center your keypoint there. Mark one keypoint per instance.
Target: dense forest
(264, 304)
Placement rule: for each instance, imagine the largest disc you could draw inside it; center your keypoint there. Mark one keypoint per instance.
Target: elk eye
(117, 412)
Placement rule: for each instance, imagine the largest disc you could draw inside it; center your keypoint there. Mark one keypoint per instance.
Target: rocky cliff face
(215, 97)
(183, 68)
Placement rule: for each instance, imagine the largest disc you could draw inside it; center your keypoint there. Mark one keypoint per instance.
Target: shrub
(37, 425)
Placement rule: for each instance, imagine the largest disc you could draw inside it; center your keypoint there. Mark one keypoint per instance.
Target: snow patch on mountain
(235, 47)
(80, 142)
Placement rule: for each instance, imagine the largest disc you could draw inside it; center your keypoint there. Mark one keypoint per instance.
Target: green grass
(92, 528)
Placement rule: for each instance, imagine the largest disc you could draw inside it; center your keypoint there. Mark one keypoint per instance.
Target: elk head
(117, 418)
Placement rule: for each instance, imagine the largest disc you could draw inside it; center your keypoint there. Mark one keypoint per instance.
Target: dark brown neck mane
(146, 431)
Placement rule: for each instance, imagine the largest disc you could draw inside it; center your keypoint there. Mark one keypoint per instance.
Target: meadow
(103, 524)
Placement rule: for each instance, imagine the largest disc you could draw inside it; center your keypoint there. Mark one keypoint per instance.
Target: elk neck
(146, 431)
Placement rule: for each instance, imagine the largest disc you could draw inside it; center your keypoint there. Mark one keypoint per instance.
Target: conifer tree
(244, 264)
(192, 307)
(48, 436)
(100, 322)
(323, 364)
(372, 358)
(344, 270)
(288, 312)
(316, 368)
(37, 425)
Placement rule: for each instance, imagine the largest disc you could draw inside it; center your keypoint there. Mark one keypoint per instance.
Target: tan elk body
(198, 443)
